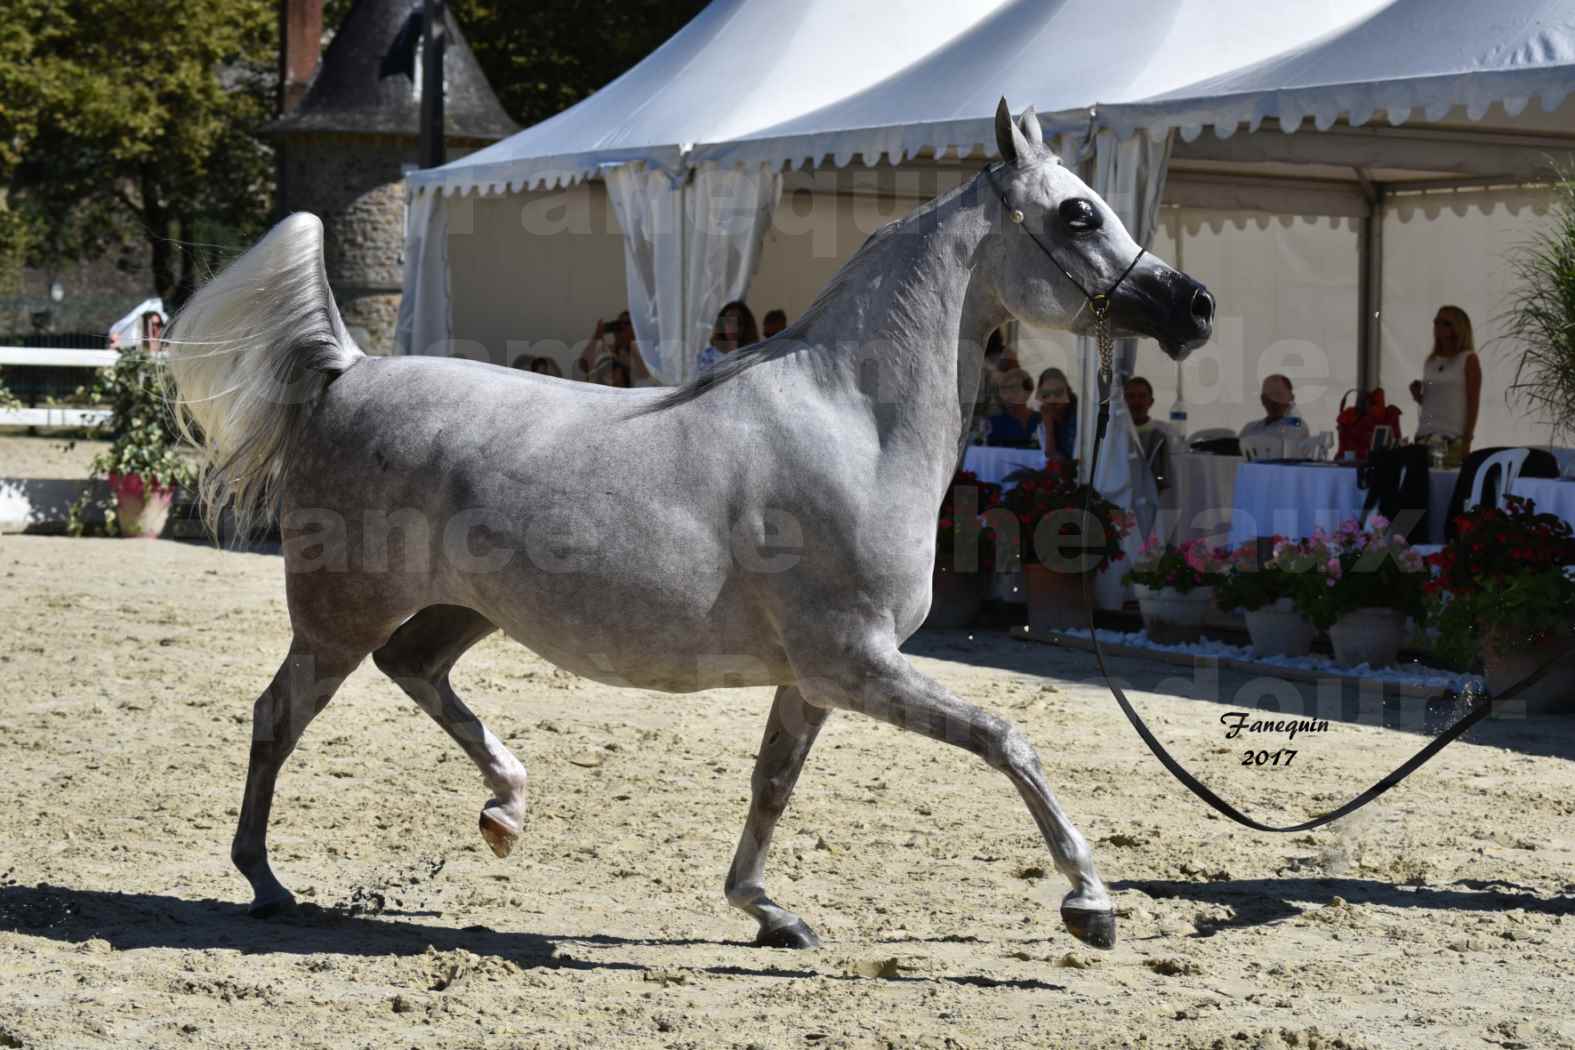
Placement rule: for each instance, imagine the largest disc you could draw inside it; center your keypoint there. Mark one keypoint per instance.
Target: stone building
(346, 146)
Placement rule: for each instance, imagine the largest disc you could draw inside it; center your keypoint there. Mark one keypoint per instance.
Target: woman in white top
(1450, 391)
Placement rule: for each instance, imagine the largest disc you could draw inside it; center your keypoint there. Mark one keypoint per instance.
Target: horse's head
(1061, 246)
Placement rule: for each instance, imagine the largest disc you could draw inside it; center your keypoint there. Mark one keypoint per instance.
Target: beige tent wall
(531, 273)
(1451, 248)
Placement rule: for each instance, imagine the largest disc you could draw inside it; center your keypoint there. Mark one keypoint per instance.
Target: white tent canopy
(1406, 59)
(739, 66)
(1061, 58)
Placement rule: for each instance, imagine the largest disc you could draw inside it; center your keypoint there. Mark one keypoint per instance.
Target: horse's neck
(907, 335)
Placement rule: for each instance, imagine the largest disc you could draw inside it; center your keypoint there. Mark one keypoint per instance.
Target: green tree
(122, 119)
(543, 57)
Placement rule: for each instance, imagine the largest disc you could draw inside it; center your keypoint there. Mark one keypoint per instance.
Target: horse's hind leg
(880, 682)
(790, 730)
(300, 689)
(419, 657)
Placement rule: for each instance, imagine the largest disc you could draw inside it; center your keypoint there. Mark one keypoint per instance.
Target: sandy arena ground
(44, 455)
(1441, 917)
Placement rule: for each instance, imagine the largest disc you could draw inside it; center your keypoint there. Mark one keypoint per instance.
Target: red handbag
(1355, 424)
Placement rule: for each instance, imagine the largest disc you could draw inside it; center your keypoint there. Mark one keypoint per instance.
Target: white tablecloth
(1272, 499)
(1553, 495)
(1198, 502)
(994, 464)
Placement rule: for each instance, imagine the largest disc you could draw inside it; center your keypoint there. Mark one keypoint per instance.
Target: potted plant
(1264, 589)
(964, 552)
(1064, 532)
(1372, 581)
(1504, 592)
(1540, 319)
(1175, 587)
(143, 464)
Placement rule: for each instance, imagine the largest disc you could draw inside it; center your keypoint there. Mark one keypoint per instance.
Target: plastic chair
(1508, 464)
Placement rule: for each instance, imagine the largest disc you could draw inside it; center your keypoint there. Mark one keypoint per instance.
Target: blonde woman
(1450, 391)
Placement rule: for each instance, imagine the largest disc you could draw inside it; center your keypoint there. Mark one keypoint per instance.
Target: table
(994, 464)
(1199, 501)
(1294, 500)
(1553, 495)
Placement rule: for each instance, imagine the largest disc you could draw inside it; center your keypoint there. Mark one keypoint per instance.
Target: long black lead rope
(1099, 304)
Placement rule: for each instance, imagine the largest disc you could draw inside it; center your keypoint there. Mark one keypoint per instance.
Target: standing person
(735, 327)
(774, 322)
(1058, 407)
(1450, 391)
(614, 338)
(152, 332)
(1157, 439)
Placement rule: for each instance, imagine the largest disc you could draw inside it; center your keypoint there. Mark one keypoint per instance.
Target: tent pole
(1370, 291)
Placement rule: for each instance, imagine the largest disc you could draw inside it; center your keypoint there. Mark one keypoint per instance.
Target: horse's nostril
(1202, 306)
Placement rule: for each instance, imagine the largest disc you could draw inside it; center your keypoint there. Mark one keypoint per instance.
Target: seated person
(1015, 424)
(1280, 415)
(1157, 439)
(775, 321)
(1058, 408)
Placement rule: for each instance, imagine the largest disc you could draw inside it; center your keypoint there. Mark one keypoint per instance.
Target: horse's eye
(1080, 214)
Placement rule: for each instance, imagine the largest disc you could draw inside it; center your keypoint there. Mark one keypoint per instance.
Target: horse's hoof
(1096, 929)
(793, 935)
(499, 836)
(271, 907)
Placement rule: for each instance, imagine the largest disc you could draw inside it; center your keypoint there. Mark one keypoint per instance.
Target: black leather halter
(1098, 302)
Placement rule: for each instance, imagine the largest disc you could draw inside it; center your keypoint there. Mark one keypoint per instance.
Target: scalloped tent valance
(1407, 58)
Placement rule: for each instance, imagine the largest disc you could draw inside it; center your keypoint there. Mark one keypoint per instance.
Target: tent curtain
(649, 208)
(425, 325)
(689, 249)
(1130, 176)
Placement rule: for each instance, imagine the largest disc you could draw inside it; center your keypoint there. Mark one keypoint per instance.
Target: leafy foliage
(1181, 568)
(1061, 524)
(1540, 321)
(118, 124)
(964, 541)
(542, 58)
(1354, 568)
(1506, 569)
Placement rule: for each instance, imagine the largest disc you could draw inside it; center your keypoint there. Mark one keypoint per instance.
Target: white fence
(49, 357)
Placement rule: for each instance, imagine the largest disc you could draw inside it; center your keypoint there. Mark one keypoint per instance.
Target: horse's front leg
(790, 730)
(879, 681)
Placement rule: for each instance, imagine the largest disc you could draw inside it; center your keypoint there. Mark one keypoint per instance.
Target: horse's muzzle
(1164, 304)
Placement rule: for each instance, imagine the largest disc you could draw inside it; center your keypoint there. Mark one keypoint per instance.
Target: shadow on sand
(129, 921)
(1260, 902)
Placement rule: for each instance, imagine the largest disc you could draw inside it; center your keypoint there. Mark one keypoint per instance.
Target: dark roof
(366, 82)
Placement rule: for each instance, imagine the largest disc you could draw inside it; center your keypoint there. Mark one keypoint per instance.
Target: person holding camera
(615, 340)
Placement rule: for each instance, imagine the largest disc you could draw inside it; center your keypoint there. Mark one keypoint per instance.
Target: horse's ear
(1031, 129)
(1008, 139)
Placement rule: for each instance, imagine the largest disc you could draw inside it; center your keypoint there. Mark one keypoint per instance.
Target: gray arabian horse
(407, 485)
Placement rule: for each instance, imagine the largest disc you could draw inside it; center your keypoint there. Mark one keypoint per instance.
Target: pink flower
(1332, 567)
(1376, 523)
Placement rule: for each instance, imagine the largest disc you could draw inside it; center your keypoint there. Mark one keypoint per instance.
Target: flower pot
(142, 505)
(956, 597)
(1370, 636)
(1507, 660)
(1055, 600)
(1277, 629)
(1172, 617)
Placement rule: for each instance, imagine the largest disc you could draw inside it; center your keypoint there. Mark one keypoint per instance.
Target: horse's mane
(792, 339)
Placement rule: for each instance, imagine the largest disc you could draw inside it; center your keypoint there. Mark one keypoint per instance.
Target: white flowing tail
(249, 355)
